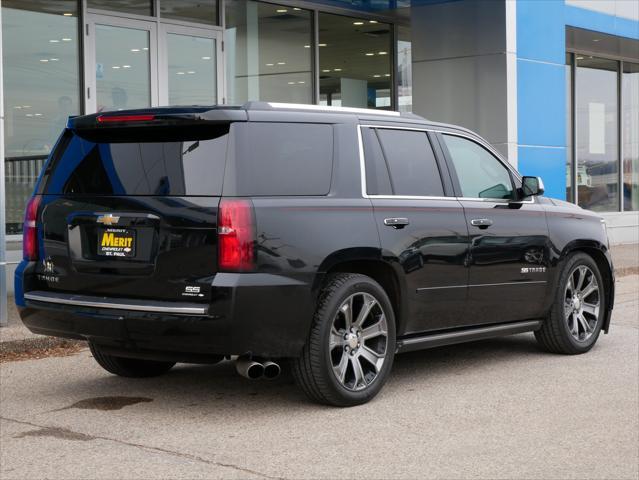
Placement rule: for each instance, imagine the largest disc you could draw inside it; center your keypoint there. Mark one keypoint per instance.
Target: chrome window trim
(362, 166)
(484, 285)
(115, 303)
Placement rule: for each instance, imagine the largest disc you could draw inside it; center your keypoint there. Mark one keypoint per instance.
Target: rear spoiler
(157, 124)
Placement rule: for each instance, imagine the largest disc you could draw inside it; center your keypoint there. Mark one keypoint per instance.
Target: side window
(377, 179)
(480, 174)
(411, 163)
(280, 159)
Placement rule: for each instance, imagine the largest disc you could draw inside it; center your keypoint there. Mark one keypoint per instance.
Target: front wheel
(349, 353)
(577, 315)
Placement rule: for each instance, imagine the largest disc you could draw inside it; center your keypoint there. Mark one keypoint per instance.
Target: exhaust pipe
(271, 370)
(249, 368)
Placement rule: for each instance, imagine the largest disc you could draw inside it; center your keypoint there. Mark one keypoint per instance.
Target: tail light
(125, 118)
(236, 235)
(30, 230)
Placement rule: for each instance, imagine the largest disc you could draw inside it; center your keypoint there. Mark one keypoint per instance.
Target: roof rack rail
(317, 108)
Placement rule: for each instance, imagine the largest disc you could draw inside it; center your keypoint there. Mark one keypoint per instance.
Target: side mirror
(531, 186)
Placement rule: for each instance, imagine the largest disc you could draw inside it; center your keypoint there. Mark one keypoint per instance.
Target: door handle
(481, 222)
(396, 222)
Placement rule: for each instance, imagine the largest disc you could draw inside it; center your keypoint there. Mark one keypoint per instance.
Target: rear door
(133, 213)
(421, 225)
(509, 238)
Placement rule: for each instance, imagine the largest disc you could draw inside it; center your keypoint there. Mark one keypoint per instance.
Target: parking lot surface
(491, 409)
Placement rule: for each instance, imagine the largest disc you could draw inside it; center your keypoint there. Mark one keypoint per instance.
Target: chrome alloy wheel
(582, 299)
(358, 341)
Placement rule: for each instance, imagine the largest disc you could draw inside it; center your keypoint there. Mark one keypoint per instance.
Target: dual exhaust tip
(254, 369)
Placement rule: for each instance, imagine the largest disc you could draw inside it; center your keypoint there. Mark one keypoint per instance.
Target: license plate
(116, 242)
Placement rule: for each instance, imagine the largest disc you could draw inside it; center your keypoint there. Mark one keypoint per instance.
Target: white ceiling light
(270, 64)
(66, 39)
(191, 72)
(115, 67)
(145, 48)
(377, 75)
(297, 9)
(126, 66)
(206, 58)
(54, 41)
(54, 59)
(382, 53)
(326, 71)
(372, 21)
(369, 54)
(66, 14)
(358, 23)
(281, 63)
(179, 73)
(281, 10)
(291, 83)
(321, 44)
(307, 46)
(135, 49)
(337, 69)
(387, 74)
(301, 83)
(44, 60)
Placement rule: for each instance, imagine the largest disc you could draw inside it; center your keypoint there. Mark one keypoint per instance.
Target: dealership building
(552, 84)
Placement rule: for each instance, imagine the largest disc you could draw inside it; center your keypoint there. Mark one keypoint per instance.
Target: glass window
(137, 7)
(355, 62)
(192, 76)
(280, 159)
(199, 11)
(41, 89)
(268, 53)
(123, 78)
(188, 167)
(404, 70)
(630, 135)
(569, 172)
(411, 162)
(480, 174)
(597, 131)
(377, 179)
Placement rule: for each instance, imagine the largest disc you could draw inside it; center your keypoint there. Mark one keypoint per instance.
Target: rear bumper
(263, 314)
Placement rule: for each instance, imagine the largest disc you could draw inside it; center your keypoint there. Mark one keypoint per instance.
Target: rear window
(165, 168)
(272, 159)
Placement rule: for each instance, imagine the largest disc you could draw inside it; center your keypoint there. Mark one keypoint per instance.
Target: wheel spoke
(592, 309)
(341, 367)
(582, 276)
(375, 330)
(347, 311)
(336, 339)
(359, 373)
(572, 325)
(590, 288)
(584, 323)
(372, 357)
(369, 303)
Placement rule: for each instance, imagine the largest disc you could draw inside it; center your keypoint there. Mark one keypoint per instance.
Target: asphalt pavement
(492, 409)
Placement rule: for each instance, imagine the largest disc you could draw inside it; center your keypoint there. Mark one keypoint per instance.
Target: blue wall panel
(541, 104)
(547, 163)
(541, 33)
(600, 22)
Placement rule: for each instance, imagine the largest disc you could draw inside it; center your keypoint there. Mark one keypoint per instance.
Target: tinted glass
(480, 174)
(139, 7)
(123, 72)
(281, 159)
(355, 62)
(377, 179)
(199, 11)
(412, 164)
(192, 70)
(630, 135)
(597, 133)
(41, 89)
(268, 52)
(150, 168)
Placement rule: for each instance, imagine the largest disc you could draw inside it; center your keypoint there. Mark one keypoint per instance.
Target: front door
(136, 64)
(508, 269)
(422, 228)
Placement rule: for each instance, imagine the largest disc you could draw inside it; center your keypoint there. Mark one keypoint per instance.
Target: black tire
(313, 370)
(129, 367)
(555, 334)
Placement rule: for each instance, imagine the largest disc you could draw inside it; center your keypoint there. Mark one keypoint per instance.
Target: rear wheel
(577, 315)
(129, 367)
(349, 353)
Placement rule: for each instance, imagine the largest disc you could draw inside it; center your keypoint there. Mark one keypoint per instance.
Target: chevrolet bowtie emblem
(47, 265)
(108, 219)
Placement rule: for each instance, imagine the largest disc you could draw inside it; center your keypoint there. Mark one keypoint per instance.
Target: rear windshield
(84, 166)
(279, 159)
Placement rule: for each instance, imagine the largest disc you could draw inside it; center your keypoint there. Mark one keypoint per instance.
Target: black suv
(334, 238)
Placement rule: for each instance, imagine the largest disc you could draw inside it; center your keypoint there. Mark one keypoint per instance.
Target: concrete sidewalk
(16, 338)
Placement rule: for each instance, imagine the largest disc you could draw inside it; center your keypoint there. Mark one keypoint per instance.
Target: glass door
(121, 67)
(189, 66)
